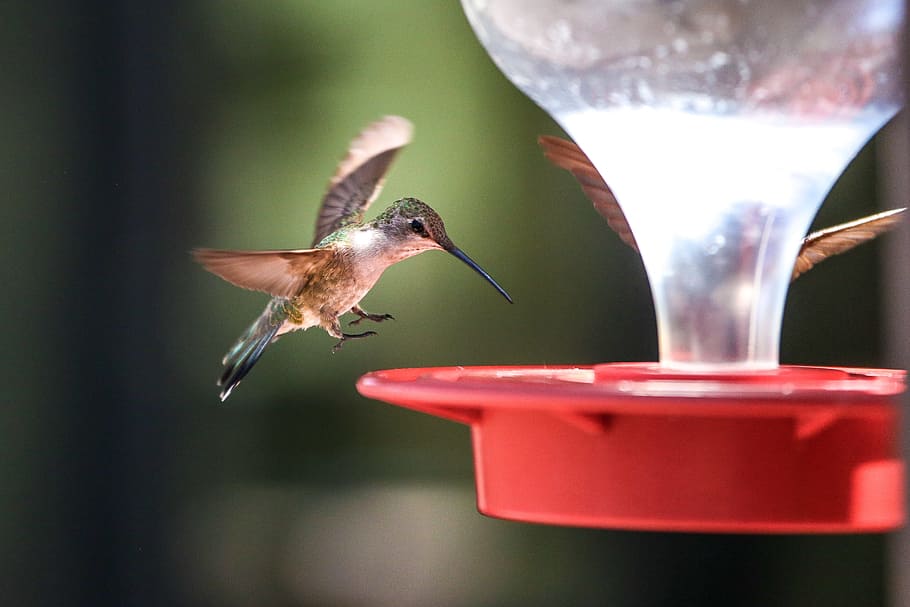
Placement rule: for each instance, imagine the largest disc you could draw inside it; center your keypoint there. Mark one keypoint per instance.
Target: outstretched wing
(817, 247)
(281, 273)
(359, 177)
(569, 156)
(823, 244)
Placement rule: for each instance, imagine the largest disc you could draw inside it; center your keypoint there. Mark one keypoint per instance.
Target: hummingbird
(314, 287)
(816, 247)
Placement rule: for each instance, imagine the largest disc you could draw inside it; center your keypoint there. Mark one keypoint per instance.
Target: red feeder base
(794, 450)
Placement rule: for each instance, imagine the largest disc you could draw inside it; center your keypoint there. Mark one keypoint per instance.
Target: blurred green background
(134, 132)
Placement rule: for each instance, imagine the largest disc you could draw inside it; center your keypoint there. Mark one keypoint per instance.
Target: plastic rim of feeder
(629, 445)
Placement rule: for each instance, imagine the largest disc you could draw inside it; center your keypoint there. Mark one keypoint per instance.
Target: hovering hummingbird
(816, 247)
(315, 287)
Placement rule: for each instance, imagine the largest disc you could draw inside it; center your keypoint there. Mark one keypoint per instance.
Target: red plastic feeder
(797, 449)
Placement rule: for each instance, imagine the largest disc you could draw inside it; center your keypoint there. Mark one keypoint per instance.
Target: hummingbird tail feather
(249, 348)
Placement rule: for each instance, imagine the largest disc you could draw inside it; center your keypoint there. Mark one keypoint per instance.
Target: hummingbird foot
(363, 314)
(347, 336)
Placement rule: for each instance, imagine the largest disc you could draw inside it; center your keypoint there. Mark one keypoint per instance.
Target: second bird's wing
(359, 177)
(838, 239)
(569, 156)
(817, 247)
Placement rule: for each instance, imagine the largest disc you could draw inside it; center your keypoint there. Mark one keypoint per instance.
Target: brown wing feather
(359, 177)
(569, 156)
(817, 247)
(281, 273)
(823, 244)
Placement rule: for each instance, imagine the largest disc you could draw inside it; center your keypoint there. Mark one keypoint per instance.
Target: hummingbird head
(416, 227)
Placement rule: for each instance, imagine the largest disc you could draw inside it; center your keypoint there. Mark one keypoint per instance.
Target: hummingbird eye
(417, 227)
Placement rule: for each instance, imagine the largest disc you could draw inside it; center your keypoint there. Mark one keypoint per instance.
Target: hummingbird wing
(823, 244)
(817, 247)
(280, 273)
(569, 156)
(359, 177)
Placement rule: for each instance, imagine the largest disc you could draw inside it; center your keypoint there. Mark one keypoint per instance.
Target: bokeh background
(135, 131)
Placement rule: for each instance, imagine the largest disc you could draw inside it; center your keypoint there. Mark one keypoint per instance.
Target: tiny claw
(347, 336)
(373, 317)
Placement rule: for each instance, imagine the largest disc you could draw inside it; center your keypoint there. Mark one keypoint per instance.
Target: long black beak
(461, 255)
